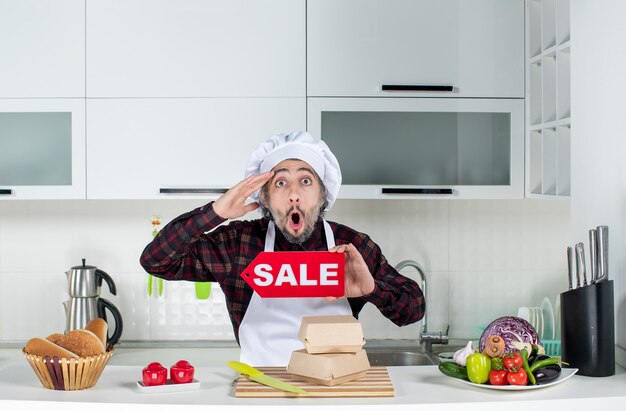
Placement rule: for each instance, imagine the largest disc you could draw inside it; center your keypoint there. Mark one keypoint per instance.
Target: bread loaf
(99, 327)
(44, 347)
(54, 337)
(82, 342)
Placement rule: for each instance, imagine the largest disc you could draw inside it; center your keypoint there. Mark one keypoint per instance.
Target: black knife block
(588, 329)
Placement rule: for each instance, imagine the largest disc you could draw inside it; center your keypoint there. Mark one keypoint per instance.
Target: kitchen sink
(383, 353)
(399, 357)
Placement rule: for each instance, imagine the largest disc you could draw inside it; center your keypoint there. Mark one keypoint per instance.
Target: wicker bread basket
(69, 373)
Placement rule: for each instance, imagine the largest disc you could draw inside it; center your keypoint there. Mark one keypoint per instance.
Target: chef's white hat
(299, 145)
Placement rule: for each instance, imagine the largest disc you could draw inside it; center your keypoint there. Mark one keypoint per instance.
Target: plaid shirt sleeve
(397, 297)
(177, 254)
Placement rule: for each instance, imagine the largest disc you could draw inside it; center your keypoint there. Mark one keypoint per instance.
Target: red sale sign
(282, 274)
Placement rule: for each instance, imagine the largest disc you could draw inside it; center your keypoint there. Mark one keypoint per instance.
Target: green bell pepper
(478, 367)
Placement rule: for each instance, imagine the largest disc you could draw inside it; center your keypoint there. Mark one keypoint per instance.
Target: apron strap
(330, 237)
(270, 237)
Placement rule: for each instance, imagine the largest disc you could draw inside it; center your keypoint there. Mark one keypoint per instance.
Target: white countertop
(424, 385)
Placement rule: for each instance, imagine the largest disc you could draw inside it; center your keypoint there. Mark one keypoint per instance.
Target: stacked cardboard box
(333, 350)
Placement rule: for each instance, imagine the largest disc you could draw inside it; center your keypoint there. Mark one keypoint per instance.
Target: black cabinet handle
(391, 190)
(417, 87)
(6, 191)
(192, 190)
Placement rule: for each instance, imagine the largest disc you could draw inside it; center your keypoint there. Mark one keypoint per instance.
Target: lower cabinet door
(172, 148)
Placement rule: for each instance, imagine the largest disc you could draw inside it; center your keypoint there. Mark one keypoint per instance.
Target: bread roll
(43, 347)
(99, 327)
(82, 342)
(54, 337)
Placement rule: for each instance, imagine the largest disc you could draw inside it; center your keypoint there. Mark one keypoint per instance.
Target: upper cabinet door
(196, 48)
(42, 148)
(409, 148)
(42, 48)
(172, 148)
(354, 47)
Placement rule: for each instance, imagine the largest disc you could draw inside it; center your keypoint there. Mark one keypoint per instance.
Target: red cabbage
(512, 330)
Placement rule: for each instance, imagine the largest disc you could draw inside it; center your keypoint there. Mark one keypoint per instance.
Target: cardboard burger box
(331, 334)
(328, 369)
(333, 352)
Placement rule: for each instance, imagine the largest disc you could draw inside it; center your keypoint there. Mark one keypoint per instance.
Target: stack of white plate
(541, 318)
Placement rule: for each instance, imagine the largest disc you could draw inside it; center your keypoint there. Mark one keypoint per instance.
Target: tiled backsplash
(482, 258)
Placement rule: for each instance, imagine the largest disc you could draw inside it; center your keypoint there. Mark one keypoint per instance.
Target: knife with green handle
(261, 378)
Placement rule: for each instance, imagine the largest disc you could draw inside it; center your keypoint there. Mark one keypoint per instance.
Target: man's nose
(294, 195)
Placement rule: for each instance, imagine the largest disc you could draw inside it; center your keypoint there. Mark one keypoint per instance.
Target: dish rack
(552, 347)
(547, 323)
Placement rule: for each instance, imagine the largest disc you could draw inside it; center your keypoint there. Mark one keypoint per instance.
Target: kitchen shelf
(548, 99)
(562, 122)
(535, 93)
(535, 159)
(549, 161)
(563, 158)
(562, 21)
(548, 72)
(563, 83)
(548, 23)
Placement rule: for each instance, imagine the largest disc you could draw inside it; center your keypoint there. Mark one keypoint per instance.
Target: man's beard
(282, 222)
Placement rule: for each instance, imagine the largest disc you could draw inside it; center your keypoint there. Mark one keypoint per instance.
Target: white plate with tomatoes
(566, 374)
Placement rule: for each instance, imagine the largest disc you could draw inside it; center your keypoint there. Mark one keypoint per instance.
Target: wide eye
(280, 183)
(306, 181)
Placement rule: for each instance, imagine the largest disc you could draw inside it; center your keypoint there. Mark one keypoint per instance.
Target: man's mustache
(291, 210)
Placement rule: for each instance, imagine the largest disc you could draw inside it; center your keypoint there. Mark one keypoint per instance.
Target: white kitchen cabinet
(139, 148)
(355, 47)
(42, 149)
(409, 148)
(548, 99)
(42, 48)
(196, 48)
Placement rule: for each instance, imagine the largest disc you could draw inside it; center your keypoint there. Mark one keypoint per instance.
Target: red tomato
(517, 378)
(498, 377)
(181, 372)
(154, 374)
(513, 363)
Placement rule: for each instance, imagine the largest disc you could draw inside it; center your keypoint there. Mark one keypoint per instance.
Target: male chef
(294, 180)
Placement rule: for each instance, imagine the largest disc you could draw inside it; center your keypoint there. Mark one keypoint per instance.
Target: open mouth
(295, 220)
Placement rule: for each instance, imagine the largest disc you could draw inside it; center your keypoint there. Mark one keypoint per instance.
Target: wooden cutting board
(376, 383)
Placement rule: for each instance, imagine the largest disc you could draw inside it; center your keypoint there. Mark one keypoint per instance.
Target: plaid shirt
(183, 250)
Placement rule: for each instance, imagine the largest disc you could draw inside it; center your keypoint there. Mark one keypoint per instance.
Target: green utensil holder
(203, 290)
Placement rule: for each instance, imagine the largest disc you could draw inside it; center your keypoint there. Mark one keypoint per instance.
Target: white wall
(483, 258)
(598, 64)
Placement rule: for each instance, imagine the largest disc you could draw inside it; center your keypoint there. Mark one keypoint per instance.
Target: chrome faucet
(426, 340)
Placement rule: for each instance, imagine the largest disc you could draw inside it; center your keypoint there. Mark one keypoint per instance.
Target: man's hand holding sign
(358, 279)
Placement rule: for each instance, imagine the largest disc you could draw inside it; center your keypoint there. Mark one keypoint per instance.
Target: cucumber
(454, 370)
